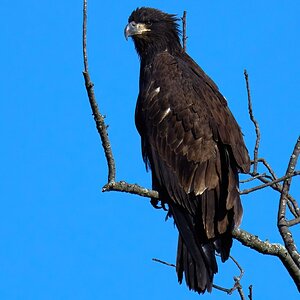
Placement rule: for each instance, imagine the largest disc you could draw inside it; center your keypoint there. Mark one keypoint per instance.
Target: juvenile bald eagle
(191, 142)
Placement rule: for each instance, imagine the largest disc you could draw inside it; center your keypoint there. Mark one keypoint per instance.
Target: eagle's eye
(148, 22)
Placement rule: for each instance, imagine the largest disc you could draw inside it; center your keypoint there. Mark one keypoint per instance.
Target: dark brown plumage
(192, 144)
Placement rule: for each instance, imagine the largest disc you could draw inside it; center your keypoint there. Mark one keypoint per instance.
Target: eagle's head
(153, 31)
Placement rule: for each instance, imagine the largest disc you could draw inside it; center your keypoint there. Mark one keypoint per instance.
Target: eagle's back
(183, 116)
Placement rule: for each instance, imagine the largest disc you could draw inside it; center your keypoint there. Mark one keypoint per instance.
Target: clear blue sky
(60, 237)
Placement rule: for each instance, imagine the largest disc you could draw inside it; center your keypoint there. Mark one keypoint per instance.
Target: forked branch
(282, 222)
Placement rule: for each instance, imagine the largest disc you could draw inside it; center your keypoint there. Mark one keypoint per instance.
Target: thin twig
(292, 203)
(222, 289)
(257, 130)
(267, 165)
(253, 178)
(262, 186)
(281, 221)
(163, 262)
(98, 117)
(295, 210)
(184, 37)
(84, 36)
(250, 292)
(239, 267)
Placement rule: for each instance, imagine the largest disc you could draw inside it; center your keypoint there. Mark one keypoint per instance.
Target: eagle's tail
(198, 274)
(195, 259)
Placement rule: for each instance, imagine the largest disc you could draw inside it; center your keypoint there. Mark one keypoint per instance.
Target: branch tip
(257, 130)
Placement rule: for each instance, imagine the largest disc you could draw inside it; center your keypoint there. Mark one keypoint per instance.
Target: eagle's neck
(148, 48)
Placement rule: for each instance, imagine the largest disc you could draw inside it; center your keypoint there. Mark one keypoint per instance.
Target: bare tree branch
(163, 262)
(292, 203)
(184, 37)
(269, 168)
(281, 221)
(253, 177)
(250, 292)
(239, 267)
(262, 186)
(257, 130)
(253, 242)
(98, 117)
(84, 36)
(130, 188)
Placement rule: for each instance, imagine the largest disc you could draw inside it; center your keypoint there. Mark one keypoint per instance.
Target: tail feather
(223, 244)
(194, 258)
(198, 275)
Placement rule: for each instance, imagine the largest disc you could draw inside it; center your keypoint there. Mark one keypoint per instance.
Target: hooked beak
(133, 28)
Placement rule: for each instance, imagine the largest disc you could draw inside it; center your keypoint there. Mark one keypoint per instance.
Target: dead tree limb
(282, 224)
(272, 180)
(250, 292)
(98, 117)
(257, 130)
(184, 37)
(262, 186)
(265, 247)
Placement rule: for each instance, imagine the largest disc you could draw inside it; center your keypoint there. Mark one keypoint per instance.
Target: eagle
(192, 144)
